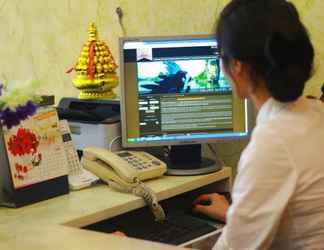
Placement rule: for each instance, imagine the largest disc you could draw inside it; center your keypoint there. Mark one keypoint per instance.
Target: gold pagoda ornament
(96, 69)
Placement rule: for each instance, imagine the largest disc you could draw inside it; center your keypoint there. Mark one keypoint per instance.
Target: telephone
(125, 171)
(123, 167)
(78, 177)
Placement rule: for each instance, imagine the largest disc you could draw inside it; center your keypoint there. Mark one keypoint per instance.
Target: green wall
(312, 14)
(42, 38)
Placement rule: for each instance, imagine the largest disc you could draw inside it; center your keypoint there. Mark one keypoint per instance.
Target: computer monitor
(173, 92)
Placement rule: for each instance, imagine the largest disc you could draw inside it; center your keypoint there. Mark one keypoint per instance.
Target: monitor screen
(173, 92)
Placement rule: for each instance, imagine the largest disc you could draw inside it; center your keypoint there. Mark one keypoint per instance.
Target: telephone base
(205, 166)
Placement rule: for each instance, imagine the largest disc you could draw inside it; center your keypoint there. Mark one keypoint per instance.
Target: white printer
(92, 122)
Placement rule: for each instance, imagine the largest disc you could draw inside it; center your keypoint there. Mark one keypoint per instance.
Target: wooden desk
(51, 224)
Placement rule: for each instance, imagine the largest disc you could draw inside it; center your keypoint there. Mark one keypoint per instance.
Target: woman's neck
(260, 95)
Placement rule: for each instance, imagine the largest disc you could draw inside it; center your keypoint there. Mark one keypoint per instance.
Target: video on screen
(181, 76)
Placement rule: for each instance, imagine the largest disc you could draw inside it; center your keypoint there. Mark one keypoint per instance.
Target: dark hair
(269, 36)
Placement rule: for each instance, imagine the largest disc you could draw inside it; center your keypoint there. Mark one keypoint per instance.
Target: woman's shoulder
(295, 121)
(288, 136)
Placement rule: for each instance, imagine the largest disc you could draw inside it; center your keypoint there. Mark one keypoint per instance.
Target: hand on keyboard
(213, 205)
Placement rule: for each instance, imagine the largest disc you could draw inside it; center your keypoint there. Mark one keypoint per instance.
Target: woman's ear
(236, 67)
(240, 78)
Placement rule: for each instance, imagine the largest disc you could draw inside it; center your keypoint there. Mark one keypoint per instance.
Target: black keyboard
(175, 230)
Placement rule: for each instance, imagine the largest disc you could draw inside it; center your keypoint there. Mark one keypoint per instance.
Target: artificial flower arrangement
(17, 103)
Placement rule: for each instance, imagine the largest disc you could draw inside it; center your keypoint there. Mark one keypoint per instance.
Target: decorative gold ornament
(96, 69)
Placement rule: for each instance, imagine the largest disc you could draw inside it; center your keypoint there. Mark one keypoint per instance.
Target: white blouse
(278, 194)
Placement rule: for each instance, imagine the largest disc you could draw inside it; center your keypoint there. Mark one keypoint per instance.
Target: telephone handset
(123, 167)
(125, 170)
(78, 177)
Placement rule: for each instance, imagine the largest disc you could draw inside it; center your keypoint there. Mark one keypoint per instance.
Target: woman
(278, 194)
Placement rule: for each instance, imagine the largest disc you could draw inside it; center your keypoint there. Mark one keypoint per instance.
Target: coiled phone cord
(141, 190)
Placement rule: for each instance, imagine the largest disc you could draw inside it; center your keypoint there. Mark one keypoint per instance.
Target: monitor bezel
(250, 108)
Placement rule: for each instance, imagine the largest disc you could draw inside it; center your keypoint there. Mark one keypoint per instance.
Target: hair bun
(274, 43)
(276, 50)
(290, 62)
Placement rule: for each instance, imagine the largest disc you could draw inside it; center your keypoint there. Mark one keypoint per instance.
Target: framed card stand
(21, 184)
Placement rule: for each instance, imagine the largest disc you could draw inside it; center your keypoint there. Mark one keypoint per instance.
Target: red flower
(21, 171)
(25, 142)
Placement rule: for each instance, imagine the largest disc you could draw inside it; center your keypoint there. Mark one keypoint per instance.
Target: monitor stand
(187, 160)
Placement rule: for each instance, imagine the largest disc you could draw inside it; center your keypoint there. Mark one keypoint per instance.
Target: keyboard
(175, 230)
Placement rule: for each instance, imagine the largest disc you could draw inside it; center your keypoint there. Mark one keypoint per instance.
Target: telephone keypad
(143, 163)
